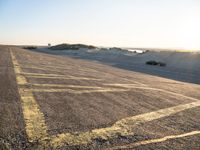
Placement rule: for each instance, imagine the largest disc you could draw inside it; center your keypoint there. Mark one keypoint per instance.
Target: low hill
(71, 47)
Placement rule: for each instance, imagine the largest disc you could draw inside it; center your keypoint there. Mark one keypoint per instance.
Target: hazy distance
(127, 23)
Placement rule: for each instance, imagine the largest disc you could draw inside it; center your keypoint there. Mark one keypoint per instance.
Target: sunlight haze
(125, 23)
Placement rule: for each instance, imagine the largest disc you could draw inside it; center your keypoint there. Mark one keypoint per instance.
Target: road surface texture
(180, 66)
(56, 102)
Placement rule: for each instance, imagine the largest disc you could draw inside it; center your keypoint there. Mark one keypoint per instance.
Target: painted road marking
(122, 127)
(36, 128)
(42, 74)
(46, 69)
(60, 68)
(54, 75)
(121, 88)
(126, 85)
(93, 89)
(37, 68)
(28, 64)
(84, 70)
(140, 83)
(34, 120)
(62, 77)
(153, 89)
(168, 92)
(151, 141)
(103, 90)
(64, 86)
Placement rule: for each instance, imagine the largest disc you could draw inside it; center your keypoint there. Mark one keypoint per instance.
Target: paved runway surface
(55, 102)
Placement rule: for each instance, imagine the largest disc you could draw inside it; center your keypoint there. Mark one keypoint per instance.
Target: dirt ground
(58, 102)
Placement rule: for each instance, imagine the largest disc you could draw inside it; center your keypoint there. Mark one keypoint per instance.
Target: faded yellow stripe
(156, 114)
(126, 85)
(56, 68)
(33, 64)
(60, 77)
(34, 120)
(122, 127)
(40, 74)
(37, 130)
(77, 91)
(168, 92)
(45, 69)
(151, 141)
(37, 68)
(65, 86)
(133, 86)
(140, 83)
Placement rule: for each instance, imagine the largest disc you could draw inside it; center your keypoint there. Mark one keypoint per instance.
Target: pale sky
(124, 23)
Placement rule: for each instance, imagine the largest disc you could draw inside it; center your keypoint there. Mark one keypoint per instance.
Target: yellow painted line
(168, 92)
(60, 77)
(106, 89)
(156, 114)
(34, 120)
(55, 75)
(128, 87)
(151, 141)
(122, 127)
(88, 69)
(33, 67)
(40, 74)
(58, 71)
(21, 79)
(55, 68)
(135, 86)
(64, 86)
(49, 68)
(77, 91)
(36, 128)
(28, 64)
(140, 83)
(45, 69)
(125, 85)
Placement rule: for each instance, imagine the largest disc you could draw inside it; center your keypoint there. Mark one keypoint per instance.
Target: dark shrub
(151, 62)
(161, 64)
(30, 47)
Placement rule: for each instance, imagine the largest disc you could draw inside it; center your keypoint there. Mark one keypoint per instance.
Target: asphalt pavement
(58, 102)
